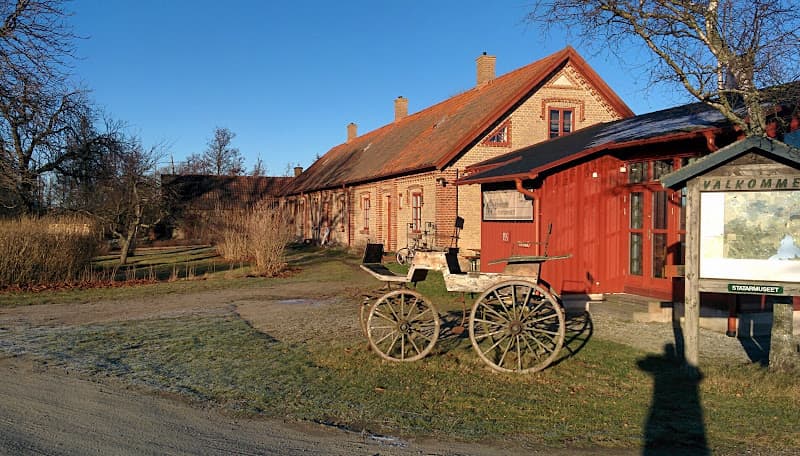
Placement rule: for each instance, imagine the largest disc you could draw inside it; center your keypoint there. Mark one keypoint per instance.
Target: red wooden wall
(588, 218)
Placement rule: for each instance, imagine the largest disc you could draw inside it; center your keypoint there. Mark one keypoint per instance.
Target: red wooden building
(598, 187)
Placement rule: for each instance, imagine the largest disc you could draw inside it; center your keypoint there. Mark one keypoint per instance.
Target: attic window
(500, 137)
(560, 122)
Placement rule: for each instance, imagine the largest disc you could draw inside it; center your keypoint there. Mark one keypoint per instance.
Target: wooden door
(655, 231)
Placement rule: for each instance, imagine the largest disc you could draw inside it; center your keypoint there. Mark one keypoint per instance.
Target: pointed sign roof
(764, 146)
(434, 137)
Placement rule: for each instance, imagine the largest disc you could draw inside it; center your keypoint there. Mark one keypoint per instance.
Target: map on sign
(750, 235)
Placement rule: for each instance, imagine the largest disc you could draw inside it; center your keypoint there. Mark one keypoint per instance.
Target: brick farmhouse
(397, 181)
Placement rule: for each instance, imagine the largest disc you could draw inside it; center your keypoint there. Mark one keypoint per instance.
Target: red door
(655, 231)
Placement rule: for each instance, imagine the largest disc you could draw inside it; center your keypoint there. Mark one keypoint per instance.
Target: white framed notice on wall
(507, 205)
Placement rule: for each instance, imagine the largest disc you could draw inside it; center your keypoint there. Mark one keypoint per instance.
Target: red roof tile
(434, 137)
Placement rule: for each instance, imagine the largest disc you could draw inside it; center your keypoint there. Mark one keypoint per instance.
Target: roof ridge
(463, 93)
(421, 141)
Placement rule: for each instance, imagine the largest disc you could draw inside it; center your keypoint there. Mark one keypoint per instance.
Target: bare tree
(259, 168)
(194, 164)
(721, 52)
(34, 127)
(36, 42)
(132, 198)
(113, 179)
(220, 157)
(739, 57)
(37, 106)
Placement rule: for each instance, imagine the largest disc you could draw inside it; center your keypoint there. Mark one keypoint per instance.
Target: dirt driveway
(52, 410)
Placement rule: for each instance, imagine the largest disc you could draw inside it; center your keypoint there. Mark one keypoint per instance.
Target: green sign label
(757, 289)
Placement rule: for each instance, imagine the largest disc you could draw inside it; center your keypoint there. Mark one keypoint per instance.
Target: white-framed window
(365, 208)
(561, 121)
(416, 210)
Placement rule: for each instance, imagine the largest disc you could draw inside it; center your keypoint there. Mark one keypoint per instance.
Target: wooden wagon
(515, 325)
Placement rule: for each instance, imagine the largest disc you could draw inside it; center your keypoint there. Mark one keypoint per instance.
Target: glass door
(655, 230)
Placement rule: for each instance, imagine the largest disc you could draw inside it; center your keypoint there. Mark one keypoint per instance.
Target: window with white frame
(500, 137)
(416, 211)
(365, 207)
(560, 122)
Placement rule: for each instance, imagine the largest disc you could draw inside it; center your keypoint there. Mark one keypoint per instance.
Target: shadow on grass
(454, 334)
(579, 329)
(300, 255)
(755, 345)
(675, 422)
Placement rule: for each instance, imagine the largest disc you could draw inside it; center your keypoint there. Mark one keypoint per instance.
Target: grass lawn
(606, 395)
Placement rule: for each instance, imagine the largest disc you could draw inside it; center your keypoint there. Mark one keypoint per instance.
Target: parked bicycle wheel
(403, 256)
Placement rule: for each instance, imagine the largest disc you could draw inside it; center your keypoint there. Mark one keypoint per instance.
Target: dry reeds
(259, 235)
(44, 251)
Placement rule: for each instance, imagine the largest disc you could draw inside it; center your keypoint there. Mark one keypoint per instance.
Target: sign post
(742, 225)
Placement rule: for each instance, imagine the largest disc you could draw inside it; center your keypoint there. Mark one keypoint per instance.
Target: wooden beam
(691, 330)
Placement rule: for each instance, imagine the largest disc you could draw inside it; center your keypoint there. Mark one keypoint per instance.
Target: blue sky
(287, 77)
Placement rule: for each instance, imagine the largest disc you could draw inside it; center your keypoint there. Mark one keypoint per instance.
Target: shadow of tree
(675, 421)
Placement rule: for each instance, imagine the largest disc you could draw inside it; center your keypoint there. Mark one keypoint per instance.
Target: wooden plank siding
(588, 215)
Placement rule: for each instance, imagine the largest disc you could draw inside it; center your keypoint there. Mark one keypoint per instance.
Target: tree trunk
(783, 354)
(127, 245)
(123, 250)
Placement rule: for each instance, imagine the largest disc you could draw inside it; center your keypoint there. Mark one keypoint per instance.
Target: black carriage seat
(372, 262)
(453, 267)
(373, 254)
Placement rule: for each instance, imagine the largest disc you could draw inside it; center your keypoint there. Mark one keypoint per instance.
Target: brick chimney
(400, 108)
(352, 131)
(485, 65)
(298, 170)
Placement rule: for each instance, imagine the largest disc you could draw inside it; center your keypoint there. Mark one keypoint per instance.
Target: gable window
(560, 122)
(416, 211)
(365, 207)
(501, 137)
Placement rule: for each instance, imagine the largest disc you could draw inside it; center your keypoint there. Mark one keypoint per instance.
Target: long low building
(395, 183)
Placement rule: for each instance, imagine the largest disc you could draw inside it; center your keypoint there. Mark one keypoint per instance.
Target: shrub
(45, 251)
(258, 235)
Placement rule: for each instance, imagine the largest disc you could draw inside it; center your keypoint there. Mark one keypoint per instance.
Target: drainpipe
(523, 190)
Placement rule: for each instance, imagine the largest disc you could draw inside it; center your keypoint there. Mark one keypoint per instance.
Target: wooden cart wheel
(517, 326)
(402, 326)
(363, 313)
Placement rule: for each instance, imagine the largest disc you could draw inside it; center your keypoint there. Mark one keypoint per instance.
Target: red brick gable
(434, 137)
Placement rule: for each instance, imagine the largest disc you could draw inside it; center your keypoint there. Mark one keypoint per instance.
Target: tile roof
(209, 192)
(669, 124)
(680, 122)
(434, 137)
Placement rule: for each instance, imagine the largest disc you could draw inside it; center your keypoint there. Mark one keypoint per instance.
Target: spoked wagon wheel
(517, 326)
(363, 313)
(402, 326)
